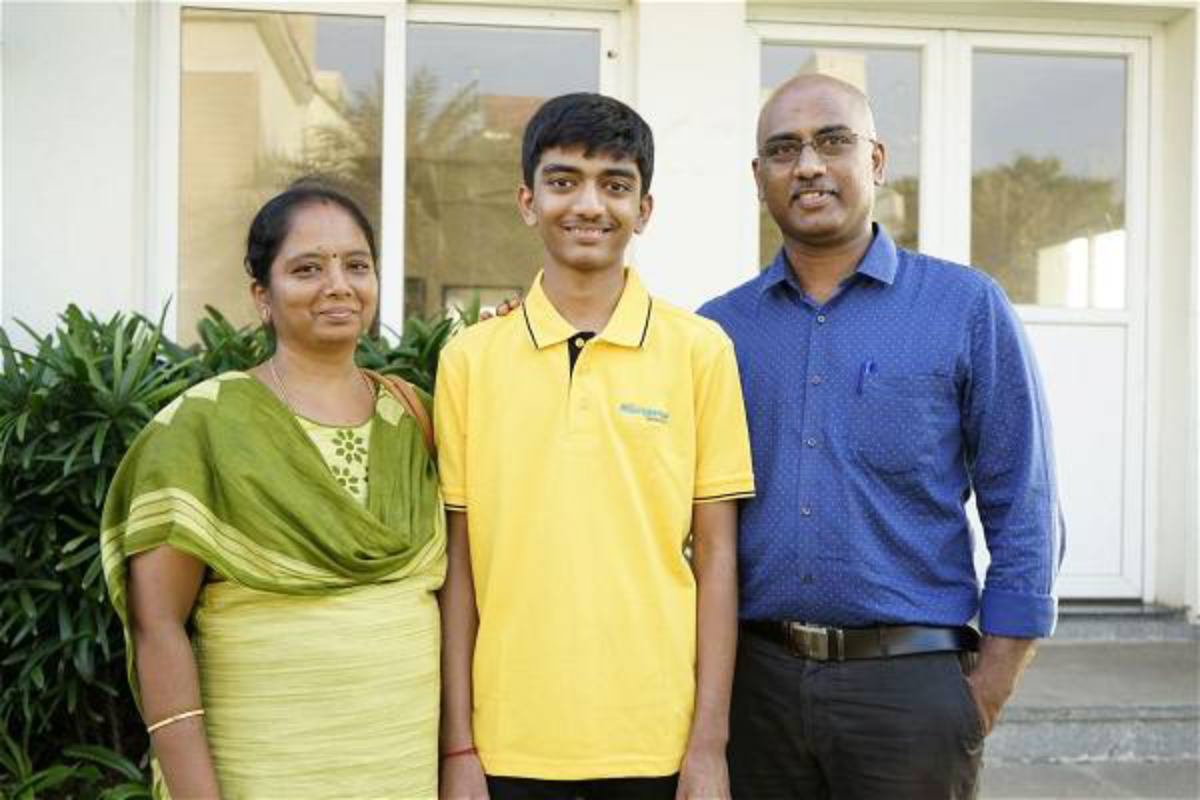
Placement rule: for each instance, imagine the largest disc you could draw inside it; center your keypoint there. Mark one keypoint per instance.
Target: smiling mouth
(339, 313)
(588, 233)
(812, 198)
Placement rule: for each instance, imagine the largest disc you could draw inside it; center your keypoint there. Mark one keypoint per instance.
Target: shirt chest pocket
(897, 421)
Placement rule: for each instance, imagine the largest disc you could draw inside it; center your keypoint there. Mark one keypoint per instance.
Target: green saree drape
(335, 593)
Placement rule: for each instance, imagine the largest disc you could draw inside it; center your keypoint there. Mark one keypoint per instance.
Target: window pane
(471, 89)
(891, 77)
(1047, 185)
(266, 99)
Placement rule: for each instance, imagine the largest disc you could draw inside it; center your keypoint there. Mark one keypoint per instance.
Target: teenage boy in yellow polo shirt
(582, 439)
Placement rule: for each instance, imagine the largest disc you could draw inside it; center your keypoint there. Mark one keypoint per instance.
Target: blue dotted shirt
(872, 417)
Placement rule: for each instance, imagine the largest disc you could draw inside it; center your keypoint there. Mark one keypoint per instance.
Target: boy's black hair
(273, 222)
(597, 123)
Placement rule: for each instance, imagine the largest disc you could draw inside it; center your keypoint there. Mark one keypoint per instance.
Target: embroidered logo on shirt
(649, 414)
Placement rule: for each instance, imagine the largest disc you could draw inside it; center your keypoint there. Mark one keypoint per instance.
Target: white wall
(694, 87)
(1189, 37)
(1173, 342)
(71, 174)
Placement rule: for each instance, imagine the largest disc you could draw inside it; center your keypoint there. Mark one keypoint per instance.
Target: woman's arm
(163, 584)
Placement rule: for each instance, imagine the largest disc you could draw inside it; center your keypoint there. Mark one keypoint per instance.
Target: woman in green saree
(273, 541)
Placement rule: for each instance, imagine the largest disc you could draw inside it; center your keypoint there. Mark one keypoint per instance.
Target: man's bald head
(817, 88)
(818, 163)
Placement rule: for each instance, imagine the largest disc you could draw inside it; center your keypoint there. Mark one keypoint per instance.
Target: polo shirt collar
(879, 263)
(627, 326)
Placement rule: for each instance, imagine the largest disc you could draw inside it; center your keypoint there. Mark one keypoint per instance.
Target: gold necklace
(287, 399)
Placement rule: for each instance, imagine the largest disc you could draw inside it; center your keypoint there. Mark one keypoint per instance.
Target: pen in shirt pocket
(866, 371)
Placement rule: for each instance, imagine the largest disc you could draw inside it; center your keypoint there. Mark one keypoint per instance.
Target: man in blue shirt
(883, 387)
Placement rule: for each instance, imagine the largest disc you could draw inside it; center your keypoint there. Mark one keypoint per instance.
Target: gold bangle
(162, 723)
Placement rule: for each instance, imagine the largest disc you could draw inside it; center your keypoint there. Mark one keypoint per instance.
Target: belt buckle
(809, 641)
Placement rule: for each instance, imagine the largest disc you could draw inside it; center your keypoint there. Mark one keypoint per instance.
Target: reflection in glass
(471, 89)
(1047, 186)
(891, 77)
(267, 98)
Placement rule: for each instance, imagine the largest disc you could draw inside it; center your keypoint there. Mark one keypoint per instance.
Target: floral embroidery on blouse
(345, 451)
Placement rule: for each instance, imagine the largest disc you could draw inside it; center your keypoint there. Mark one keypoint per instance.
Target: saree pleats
(350, 712)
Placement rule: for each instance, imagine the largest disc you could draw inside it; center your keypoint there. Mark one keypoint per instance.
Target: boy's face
(585, 209)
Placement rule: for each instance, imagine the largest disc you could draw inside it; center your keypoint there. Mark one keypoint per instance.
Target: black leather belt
(821, 643)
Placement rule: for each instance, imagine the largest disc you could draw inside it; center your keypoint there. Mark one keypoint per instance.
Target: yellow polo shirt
(578, 488)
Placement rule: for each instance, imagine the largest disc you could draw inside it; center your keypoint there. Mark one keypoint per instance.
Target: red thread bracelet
(466, 751)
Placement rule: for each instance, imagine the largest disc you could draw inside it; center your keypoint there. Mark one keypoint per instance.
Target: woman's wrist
(469, 750)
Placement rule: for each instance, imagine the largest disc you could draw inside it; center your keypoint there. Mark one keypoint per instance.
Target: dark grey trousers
(895, 728)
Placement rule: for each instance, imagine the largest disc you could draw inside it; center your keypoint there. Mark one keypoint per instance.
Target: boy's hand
(462, 779)
(505, 308)
(704, 775)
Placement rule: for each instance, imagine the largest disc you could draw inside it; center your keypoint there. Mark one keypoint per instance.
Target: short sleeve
(724, 470)
(450, 426)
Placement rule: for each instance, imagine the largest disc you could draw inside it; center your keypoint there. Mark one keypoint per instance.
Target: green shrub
(70, 406)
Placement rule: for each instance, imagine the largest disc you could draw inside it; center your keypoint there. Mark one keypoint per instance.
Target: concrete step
(1088, 701)
(1142, 779)
(1122, 622)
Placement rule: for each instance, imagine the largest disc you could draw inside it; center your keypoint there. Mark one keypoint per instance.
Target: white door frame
(1136, 543)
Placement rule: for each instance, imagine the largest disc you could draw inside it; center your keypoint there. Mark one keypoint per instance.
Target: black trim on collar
(528, 327)
(646, 327)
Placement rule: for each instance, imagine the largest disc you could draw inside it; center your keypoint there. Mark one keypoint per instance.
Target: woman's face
(324, 290)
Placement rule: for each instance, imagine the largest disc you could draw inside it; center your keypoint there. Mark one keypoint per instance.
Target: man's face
(819, 201)
(585, 209)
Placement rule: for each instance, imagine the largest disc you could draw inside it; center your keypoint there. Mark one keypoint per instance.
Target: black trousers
(502, 788)
(898, 728)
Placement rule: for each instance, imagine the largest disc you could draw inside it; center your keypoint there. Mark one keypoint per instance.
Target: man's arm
(1002, 659)
(461, 772)
(704, 773)
(1011, 458)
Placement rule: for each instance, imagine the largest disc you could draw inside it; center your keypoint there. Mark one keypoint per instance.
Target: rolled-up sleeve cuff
(1023, 616)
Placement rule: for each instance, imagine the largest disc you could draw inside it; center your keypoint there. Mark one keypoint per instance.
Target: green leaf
(98, 441)
(126, 791)
(26, 601)
(44, 779)
(81, 440)
(84, 661)
(78, 540)
(93, 571)
(75, 559)
(105, 758)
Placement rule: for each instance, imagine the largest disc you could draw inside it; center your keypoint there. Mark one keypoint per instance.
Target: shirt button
(579, 344)
(815, 380)
(811, 442)
(807, 578)
(821, 318)
(805, 511)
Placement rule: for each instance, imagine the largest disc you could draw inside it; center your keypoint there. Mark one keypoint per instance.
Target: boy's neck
(584, 298)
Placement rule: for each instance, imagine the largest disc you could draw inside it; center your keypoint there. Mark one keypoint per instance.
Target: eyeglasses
(829, 146)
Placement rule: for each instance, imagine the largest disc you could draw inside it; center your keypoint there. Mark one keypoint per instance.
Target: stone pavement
(1110, 708)
(1094, 780)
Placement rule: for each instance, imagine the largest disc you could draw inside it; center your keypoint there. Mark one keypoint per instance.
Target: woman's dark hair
(594, 122)
(273, 222)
